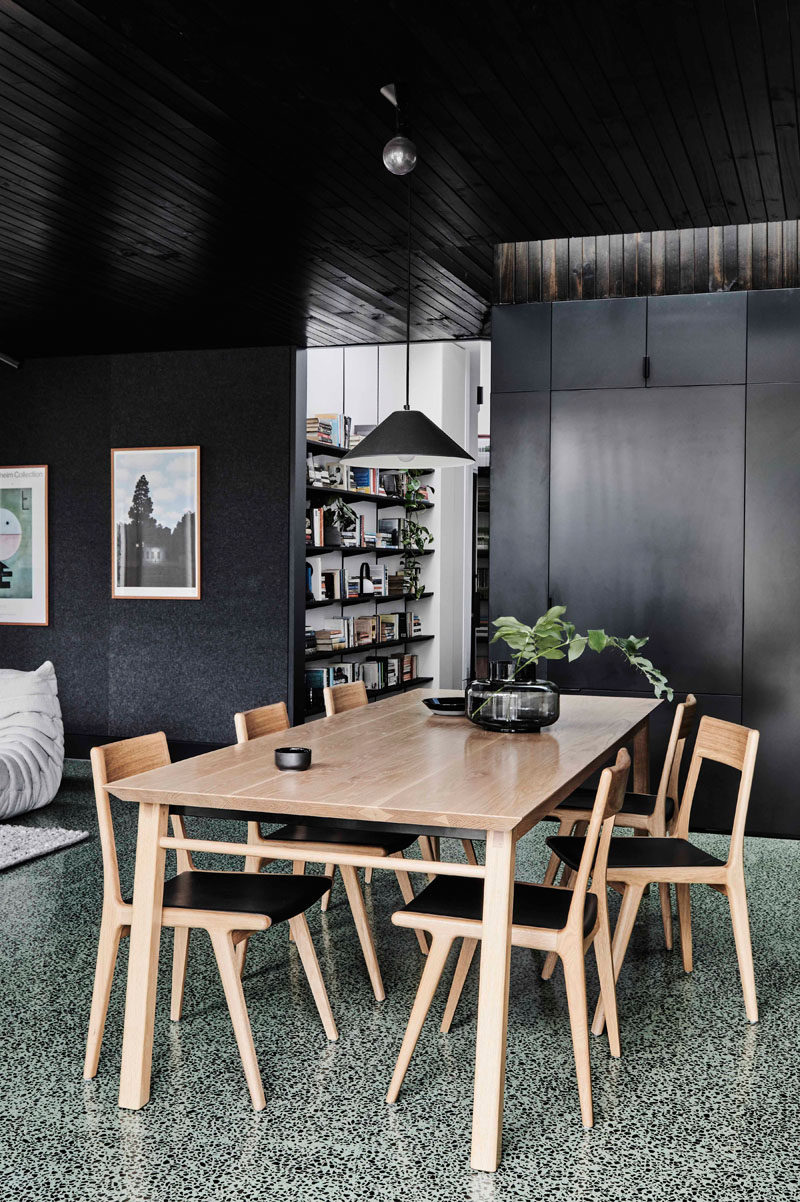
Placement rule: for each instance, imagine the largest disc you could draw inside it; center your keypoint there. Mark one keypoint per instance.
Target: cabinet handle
(646, 367)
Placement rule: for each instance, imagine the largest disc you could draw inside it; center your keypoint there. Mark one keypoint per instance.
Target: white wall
(368, 383)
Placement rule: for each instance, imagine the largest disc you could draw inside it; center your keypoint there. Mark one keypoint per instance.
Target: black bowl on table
(447, 707)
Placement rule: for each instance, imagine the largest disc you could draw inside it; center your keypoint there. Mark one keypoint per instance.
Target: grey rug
(21, 843)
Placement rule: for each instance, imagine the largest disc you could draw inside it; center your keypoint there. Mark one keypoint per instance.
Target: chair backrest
(682, 727)
(594, 861)
(725, 743)
(112, 762)
(252, 724)
(341, 697)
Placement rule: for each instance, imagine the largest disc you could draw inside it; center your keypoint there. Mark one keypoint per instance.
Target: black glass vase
(522, 704)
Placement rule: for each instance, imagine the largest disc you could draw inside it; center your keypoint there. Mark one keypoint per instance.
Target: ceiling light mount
(399, 153)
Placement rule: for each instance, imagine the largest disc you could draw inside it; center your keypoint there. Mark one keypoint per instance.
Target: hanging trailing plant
(414, 537)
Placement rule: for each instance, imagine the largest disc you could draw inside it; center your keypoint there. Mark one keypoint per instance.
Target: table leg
(641, 759)
(140, 998)
(490, 1052)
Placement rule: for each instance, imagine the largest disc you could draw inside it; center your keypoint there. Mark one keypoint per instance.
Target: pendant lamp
(406, 439)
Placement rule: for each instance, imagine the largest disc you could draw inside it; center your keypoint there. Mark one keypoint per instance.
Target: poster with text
(155, 525)
(23, 546)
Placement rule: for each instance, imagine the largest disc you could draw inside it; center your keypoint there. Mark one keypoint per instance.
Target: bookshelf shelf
(351, 494)
(340, 651)
(324, 448)
(364, 597)
(373, 694)
(381, 552)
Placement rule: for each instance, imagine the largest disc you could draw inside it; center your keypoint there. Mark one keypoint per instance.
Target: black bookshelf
(317, 494)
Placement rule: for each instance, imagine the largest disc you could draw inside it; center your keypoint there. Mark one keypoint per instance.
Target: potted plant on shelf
(338, 516)
(513, 700)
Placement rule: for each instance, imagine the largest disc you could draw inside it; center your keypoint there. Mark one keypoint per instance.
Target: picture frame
(24, 546)
(155, 523)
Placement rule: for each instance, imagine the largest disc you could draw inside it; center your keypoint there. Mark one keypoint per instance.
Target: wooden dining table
(395, 763)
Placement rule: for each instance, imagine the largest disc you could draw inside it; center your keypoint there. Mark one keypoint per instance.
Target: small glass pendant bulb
(406, 458)
(400, 155)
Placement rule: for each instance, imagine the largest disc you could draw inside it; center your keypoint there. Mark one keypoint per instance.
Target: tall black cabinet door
(771, 592)
(518, 503)
(646, 529)
(599, 343)
(521, 347)
(697, 339)
(773, 336)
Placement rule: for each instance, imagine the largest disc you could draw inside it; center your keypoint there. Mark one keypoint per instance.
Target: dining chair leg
(367, 876)
(737, 899)
(330, 870)
(685, 924)
(549, 966)
(426, 851)
(356, 899)
(468, 947)
(469, 851)
(308, 958)
(407, 890)
(554, 861)
(241, 954)
(180, 954)
(225, 953)
(631, 900)
(253, 863)
(107, 948)
(431, 975)
(608, 992)
(666, 913)
(575, 978)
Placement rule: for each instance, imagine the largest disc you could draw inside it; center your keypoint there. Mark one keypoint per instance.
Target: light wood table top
(395, 762)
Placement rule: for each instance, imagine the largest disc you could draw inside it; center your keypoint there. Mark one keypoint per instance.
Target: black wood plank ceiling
(208, 172)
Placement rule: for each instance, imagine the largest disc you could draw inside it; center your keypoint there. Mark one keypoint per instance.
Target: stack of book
(396, 584)
(388, 671)
(366, 479)
(334, 635)
(332, 428)
(388, 628)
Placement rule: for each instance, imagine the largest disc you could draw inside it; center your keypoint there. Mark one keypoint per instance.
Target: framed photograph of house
(155, 523)
(23, 546)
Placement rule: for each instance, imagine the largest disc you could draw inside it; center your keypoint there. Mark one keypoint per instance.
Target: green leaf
(577, 647)
(552, 654)
(598, 639)
(556, 611)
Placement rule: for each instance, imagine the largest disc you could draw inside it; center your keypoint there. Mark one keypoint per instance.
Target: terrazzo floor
(701, 1106)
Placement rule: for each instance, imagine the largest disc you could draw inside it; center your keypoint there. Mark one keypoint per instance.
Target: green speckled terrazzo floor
(701, 1106)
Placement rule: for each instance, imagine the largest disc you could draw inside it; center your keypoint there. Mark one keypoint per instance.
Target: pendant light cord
(408, 302)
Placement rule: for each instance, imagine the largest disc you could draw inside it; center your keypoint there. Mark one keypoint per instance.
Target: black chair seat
(534, 905)
(634, 803)
(637, 853)
(372, 837)
(278, 896)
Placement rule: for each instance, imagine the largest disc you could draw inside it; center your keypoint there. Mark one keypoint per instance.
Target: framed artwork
(155, 523)
(23, 546)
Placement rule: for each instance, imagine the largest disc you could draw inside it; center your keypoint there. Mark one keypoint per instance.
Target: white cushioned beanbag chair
(31, 739)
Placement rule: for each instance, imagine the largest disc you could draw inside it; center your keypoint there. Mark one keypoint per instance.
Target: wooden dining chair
(340, 698)
(545, 917)
(653, 814)
(635, 863)
(328, 838)
(231, 906)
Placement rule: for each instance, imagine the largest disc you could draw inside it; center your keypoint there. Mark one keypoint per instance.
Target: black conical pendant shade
(405, 440)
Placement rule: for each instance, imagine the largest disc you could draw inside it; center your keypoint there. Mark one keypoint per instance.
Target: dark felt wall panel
(127, 666)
